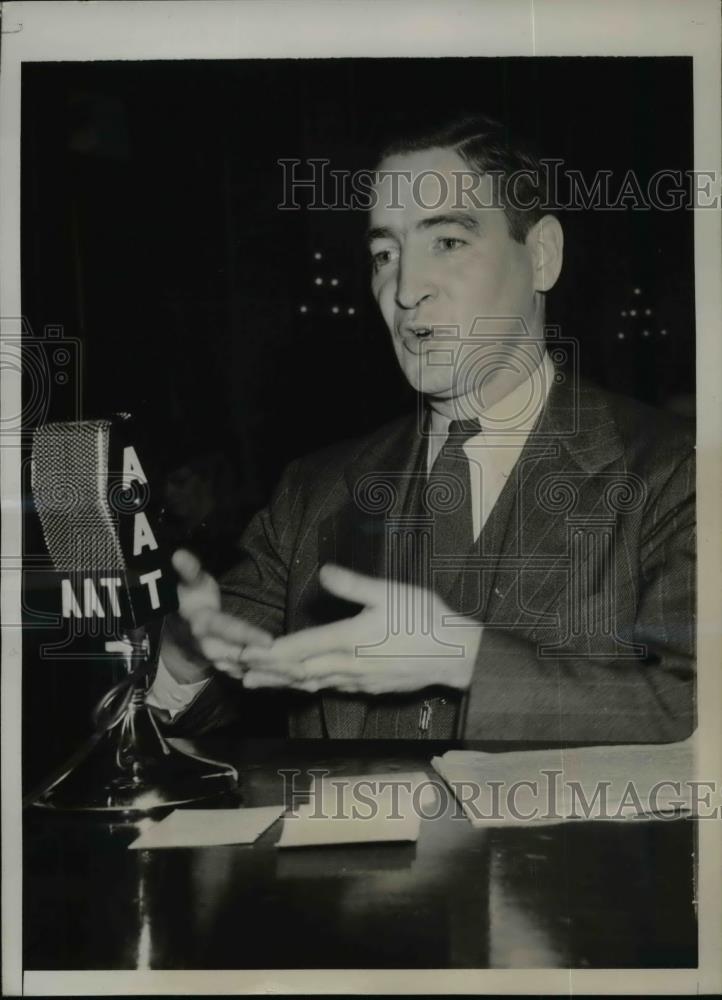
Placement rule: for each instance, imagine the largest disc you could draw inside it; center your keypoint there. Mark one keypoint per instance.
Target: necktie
(448, 493)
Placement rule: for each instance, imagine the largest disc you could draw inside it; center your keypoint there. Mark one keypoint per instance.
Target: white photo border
(238, 29)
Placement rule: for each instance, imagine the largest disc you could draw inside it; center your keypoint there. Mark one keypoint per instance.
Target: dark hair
(487, 147)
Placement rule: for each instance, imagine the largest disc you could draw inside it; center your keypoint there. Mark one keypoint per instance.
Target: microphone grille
(70, 488)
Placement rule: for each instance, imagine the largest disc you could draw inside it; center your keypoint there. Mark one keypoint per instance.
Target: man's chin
(428, 382)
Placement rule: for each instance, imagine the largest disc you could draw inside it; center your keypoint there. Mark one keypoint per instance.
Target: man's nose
(414, 285)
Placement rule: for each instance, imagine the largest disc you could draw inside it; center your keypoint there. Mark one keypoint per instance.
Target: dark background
(151, 235)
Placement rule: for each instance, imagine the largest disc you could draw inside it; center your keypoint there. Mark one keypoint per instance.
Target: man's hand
(200, 636)
(405, 639)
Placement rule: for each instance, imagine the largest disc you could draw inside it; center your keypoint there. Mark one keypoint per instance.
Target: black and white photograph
(362, 548)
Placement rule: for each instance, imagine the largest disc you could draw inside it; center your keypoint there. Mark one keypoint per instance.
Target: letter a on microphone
(132, 469)
(142, 535)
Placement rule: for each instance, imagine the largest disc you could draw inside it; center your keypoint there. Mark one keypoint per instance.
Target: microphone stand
(127, 765)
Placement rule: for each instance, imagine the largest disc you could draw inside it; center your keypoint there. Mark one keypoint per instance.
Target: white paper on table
(391, 792)
(208, 827)
(360, 809)
(305, 829)
(631, 782)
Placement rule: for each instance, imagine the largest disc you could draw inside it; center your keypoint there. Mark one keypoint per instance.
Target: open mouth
(417, 339)
(414, 335)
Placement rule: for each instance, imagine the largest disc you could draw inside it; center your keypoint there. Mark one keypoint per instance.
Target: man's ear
(545, 240)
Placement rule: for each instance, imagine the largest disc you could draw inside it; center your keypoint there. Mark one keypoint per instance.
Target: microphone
(96, 510)
(103, 534)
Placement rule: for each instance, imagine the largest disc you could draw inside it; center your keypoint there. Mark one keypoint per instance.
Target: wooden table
(587, 894)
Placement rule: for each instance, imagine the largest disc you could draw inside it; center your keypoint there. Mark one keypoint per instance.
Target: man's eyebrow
(379, 233)
(464, 219)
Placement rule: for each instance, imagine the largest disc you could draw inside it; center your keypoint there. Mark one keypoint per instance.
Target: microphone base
(132, 768)
(98, 785)
(128, 766)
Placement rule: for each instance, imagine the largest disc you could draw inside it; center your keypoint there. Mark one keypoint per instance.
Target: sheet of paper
(339, 793)
(208, 827)
(304, 828)
(360, 809)
(554, 786)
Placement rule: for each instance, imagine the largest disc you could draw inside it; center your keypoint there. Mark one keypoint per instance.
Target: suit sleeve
(518, 693)
(255, 590)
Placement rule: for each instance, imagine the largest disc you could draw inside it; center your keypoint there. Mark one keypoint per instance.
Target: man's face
(454, 288)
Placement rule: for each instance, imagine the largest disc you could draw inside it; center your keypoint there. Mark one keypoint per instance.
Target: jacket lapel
(555, 483)
(379, 481)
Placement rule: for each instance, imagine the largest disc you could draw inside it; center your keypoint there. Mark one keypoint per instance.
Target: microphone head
(100, 524)
(70, 489)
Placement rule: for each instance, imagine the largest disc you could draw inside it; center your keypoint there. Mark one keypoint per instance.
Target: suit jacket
(584, 576)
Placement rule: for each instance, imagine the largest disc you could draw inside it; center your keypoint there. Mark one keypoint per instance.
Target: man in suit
(515, 560)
